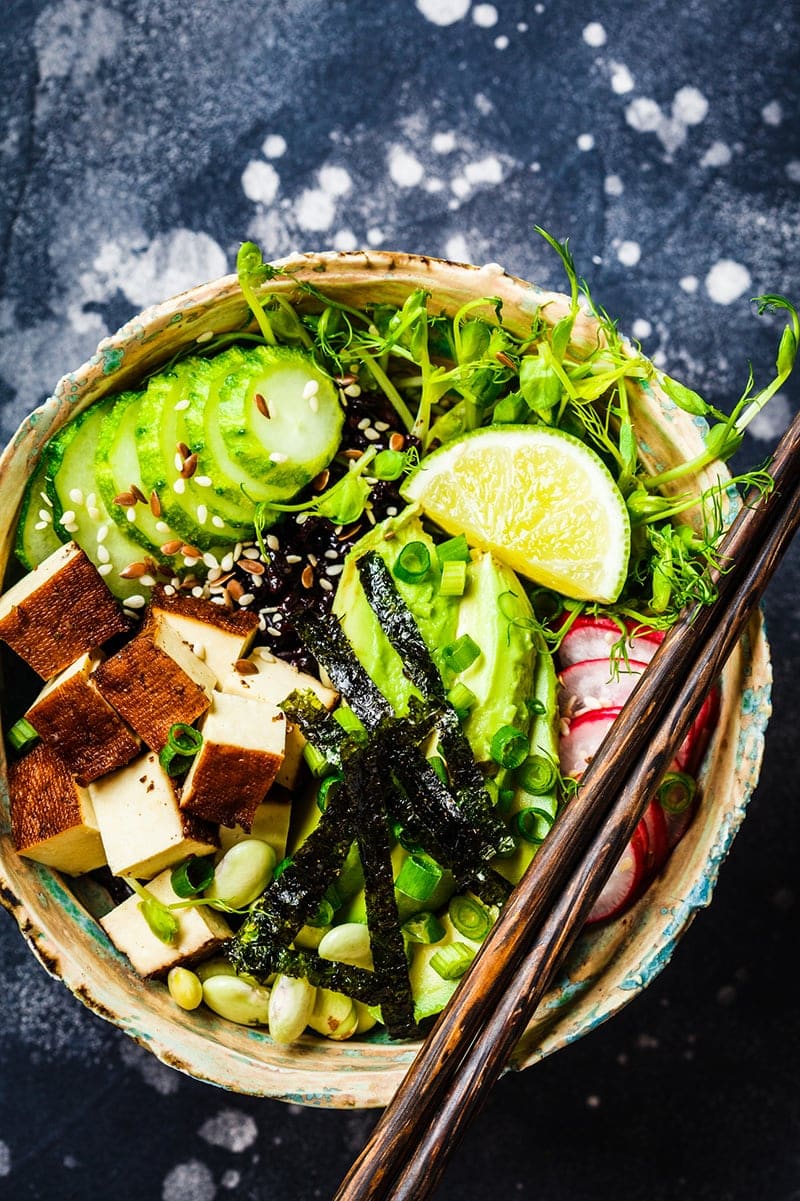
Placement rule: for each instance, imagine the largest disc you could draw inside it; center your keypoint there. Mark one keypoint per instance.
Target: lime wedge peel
(538, 499)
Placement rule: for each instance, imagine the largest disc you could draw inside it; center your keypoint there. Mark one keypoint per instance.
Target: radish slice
(654, 821)
(593, 684)
(593, 637)
(692, 750)
(580, 743)
(624, 882)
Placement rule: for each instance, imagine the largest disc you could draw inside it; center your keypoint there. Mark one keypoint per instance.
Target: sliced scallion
(183, 743)
(423, 928)
(351, 724)
(535, 707)
(453, 550)
(531, 825)
(469, 917)
(509, 747)
(452, 961)
(676, 792)
(316, 761)
(440, 767)
(323, 792)
(413, 563)
(454, 578)
(462, 699)
(537, 775)
(193, 876)
(461, 654)
(281, 867)
(22, 735)
(419, 877)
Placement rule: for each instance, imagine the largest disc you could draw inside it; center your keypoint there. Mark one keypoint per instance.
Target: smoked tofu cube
(71, 717)
(274, 679)
(270, 824)
(59, 610)
(200, 931)
(154, 682)
(52, 817)
(243, 741)
(141, 823)
(217, 635)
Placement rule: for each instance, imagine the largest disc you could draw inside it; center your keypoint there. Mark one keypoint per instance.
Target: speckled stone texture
(140, 142)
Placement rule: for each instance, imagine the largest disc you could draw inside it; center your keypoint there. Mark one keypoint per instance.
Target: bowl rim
(569, 1010)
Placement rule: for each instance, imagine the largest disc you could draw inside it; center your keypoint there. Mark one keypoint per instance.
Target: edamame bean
(366, 1018)
(309, 937)
(347, 943)
(291, 1003)
(333, 1015)
(184, 987)
(243, 872)
(235, 999)
(214, 967)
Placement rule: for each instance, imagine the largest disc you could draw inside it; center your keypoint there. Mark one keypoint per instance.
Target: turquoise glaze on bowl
(609, 965)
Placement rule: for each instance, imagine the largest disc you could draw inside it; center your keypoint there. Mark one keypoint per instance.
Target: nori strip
(468, 782)
(306, 710)
(324, 637)
(399, 626)
(491, 887)
(356, 982)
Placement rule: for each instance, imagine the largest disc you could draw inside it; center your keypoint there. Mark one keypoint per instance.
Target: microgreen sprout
(158, 916)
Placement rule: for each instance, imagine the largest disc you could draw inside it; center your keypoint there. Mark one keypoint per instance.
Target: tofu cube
(243, 741)
(74, 720)
(154, 682)
(52, 817)
(273, 680)
(141, 823)
(200, 931)
(270, 824)
(218, 636)
(59, 610)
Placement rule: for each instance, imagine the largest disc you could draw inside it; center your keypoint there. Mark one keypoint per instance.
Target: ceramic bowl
(608, 966)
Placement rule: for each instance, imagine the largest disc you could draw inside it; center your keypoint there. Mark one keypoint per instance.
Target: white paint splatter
(432, 184)
(171, 263)
(155, 1074)
(613, 185)
(772, 113)
(260, 182)
(689, 283)
(443, 12)
(793, 170)
(405, 168)
(690, 106)
(74, 37)
(501, 42)
(484, 15)
(344, 239)
(644, 115)
(641, 328)
(719, 154)
(594, 34)
(727, 281)
(375, 236)
(456, 249)
(274, 145)
(191, 1181)
(231, 1129)
(231, 1178)
(5, 1159)
(486, 170)
(483, 104)
(629, 253)
(443, 142)
(314, 209)
(460, 186)
(621, 79)
(334, 180)
(585, 141)
(773, 419)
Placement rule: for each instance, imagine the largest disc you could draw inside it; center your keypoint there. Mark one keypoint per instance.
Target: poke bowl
(614, 959)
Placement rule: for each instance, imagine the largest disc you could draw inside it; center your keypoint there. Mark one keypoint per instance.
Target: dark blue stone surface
(140, 142)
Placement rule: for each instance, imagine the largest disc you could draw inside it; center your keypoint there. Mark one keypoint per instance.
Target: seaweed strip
(468, 782)
(325, 639)
(356, 982)
(399, 626)
(306, 710)
(491, 887)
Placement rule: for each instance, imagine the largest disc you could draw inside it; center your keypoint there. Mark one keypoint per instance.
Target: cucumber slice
(70, 458)
(36, 538)
(160, 428)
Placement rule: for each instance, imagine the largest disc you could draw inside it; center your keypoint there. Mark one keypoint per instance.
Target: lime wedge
(538, 499)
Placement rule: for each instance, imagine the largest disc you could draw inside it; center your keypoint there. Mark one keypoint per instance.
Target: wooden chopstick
(475, 1035)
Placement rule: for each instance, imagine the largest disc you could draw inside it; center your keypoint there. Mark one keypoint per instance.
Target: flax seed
(172, 547)
(353, 454)
(183, 450)
(262, 406)
(307, 578)
(189, 467)
(155, 504)
(138, 494)
(503, 358)
(191, 552)
(245, 667)
(133, 571)
(252, 566)
(320, 482)
(235, 589)
(397, 442)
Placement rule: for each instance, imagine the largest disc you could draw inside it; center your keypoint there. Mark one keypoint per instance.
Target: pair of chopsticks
(475, 1036)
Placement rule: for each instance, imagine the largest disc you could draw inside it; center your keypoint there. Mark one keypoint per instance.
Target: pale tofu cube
(217, 635)
(270, 823)
(141, 823)
(274, 680)
(59, 610)
(74, 720)
(52, 817)
(243, 741)
(156, 681)
(200, 931)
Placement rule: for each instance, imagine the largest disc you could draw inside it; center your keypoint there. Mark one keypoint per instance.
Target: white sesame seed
(93, 511)
(313, 404)
(131, 514)
(278, 456)
(363, 423)
(256, 581)
(214, 575)
(331, 554)
(41, 525)
(169, 589)
(178, 461)
(370, 516)
(217, 522)
(179, 486)
(45, 516)
(272, 542)
(326, 585)
(202, 481)
(383, 426)
(162, 527)
(102, 533)
(294, 559)
(72, 528)
(105, 568)
(353, 390)
(226, 562)
(182, 404)
(91, 499)
(275, 633)
(135, 602)
(246, 599)
(391, 511)
(313, 560)
(311, 389)
(67, 517)
(372, 435)
(198, 591)
(217, 600)
(237, 550)
(190, 560)
(262, 624)
(46, 499)
(147, 581)
(210, 560)
(301, 518)
(202, 514)
(76, 496)
(342, 398)
(335, 569)
(206, 336)
(102, 553)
